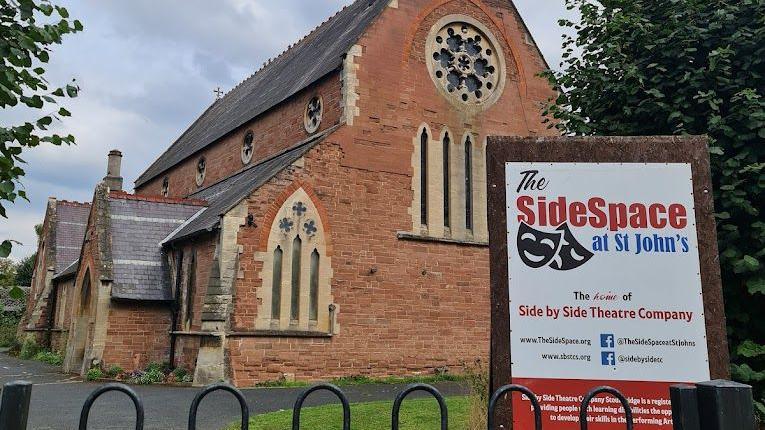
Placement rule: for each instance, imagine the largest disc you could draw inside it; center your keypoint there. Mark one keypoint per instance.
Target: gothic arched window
(447, 180)
(276, 287)
(296, 274)
(468, 184)
(313, 303)
(297, 251)
(166, 186)
(424, 177)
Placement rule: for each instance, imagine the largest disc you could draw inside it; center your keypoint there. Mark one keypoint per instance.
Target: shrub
(9, 321)
(180, 374)
(29, 349)
(114, 371)
(94, 374)
(49, 357)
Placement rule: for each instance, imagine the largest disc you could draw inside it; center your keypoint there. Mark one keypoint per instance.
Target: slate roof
(137, 227)
(227, 193)
(312, 58)
(69, 271)
(71, 223)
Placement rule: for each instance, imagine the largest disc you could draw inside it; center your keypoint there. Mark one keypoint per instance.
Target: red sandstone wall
(138, 334)
(274, 132)
(427, 306)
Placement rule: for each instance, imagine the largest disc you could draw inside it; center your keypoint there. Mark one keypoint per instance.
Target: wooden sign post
(604, 271)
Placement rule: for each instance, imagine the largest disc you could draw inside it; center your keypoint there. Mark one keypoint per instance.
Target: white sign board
(605, 286)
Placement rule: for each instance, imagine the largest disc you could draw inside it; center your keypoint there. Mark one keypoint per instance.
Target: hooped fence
(716, 405)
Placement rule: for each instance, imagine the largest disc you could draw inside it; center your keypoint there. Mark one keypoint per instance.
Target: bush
(9, 321)
(114, 371)
(29, 349)
(94, 374)
(49, 357)
(180, 374)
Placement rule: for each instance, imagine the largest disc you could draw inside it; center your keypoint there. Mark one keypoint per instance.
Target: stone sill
(403, 235)
(280, 333)
(197, 333)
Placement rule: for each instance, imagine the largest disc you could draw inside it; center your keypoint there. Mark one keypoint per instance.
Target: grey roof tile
(137, 228)
(226, 194)
(309, 60)
(71, 223)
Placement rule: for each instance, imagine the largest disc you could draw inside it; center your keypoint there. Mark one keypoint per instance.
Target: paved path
(58, 398)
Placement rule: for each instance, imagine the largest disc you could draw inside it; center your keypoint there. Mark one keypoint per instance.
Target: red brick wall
(138, 333)
(274, 132)
(427, 304)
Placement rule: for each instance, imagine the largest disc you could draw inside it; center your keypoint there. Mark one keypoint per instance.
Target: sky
(148, 68)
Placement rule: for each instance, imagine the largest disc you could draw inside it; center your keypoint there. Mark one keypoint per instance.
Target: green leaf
(750, 349)
(16, 293)
(756, 286)
(5, 248)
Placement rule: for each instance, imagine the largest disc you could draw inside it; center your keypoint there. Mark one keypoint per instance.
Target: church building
(325, 218)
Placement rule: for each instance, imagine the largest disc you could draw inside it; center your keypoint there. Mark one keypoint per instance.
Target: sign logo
(559, 249)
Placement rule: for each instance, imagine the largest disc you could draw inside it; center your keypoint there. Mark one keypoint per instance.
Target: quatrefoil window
(201, 171)
(465, 63)
(286, 224)
(247, 147)
(310, 228)
(299, 208)
(314, 111)
(166, 186)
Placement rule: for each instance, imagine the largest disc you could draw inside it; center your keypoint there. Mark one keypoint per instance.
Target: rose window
(247, 147)
(465, 64)
(201, 171)
(313, 113)
(166, 186)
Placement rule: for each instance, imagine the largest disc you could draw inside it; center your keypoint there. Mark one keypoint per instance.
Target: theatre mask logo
(558, 249)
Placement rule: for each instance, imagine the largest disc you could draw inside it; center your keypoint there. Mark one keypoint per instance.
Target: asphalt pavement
(57, 400)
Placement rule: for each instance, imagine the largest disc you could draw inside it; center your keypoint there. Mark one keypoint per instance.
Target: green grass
(416, 414)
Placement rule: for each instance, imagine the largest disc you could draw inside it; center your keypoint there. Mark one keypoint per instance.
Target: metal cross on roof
(218, 93)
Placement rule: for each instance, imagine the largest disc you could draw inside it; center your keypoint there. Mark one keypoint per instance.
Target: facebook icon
(607, 358)
(606, 340)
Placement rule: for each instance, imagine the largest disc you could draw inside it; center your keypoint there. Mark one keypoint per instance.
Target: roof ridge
(72, 203)
(290, 47)
(122, 195)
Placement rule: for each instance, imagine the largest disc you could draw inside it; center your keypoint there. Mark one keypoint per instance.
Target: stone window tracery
(314, 111)
(248, 147)
(166, 186)
(296, 270)
(464, 61)
(201, 171)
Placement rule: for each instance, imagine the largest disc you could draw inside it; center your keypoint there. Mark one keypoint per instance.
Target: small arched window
(276, 287)
(468, 184)
(297, 249)
(201, 171)
(313, 306)
(424, 177)
(447, 180)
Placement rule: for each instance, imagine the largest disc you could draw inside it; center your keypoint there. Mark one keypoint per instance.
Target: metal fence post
(420, 387)
(14, 406)
(605, 390)
(122, 388)
(245, 410)
(509, 389)
(725, 405)
(297, 409)
(685, 407)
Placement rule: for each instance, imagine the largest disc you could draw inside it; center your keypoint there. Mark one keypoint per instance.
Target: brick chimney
(113, 179)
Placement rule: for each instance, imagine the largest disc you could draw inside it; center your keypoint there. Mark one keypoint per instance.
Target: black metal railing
(722, 395)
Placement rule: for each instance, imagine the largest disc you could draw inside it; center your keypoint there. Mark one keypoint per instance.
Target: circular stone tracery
(464, 62)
